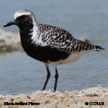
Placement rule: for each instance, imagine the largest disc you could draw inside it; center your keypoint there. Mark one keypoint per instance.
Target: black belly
(44, 54)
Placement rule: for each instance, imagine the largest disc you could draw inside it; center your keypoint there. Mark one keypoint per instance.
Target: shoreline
(64, 99)
(9, 41)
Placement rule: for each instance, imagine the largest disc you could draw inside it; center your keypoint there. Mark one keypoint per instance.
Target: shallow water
(22, 74)
(83, 18)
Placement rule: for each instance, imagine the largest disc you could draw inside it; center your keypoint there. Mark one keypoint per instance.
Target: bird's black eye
(24, 18)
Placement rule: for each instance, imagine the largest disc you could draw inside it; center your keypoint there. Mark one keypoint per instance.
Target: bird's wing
(63, 40)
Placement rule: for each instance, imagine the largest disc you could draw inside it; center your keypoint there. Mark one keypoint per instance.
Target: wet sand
(64, 99)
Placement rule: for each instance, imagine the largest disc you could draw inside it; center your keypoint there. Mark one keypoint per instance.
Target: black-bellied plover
(49, 44)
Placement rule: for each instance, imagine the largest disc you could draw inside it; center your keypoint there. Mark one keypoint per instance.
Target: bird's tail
(98, 48)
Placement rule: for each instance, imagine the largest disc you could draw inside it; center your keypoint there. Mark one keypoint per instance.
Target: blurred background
(85, 19)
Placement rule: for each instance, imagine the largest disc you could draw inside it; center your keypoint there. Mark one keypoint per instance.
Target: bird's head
(22, 18)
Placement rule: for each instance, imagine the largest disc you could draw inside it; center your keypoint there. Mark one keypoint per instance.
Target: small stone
(28, 97)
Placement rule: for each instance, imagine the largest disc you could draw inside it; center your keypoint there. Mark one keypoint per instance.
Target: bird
(49, 44)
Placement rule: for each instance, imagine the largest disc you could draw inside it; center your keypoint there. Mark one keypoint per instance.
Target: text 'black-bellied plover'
(49, 44)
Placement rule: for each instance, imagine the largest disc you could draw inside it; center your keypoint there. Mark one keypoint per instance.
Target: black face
(22, 22)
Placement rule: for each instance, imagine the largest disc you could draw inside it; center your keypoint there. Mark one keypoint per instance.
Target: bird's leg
(56, 79)
(48, 76)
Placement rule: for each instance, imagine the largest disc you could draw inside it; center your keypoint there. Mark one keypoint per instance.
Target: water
(83, 18)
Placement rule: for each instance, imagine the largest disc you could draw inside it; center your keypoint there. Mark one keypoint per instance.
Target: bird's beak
(10, 23)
